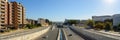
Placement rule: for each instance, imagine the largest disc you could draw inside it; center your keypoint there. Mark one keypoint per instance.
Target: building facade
(3, 13)
(31, 21)
(16, 15)
(101, 18)
(42, 22)
(12, 14)
(116, 19)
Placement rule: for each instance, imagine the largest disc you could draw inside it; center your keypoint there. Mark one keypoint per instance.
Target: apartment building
(12, 14)
(3, 13)
(101, 18)
(16, 17)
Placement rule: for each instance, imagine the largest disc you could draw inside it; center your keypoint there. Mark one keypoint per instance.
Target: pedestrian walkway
(18, 31)
(110, 33)
(102, 32)
(106, 32)
(12, 31)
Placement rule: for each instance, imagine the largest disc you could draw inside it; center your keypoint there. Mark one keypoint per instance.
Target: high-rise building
(16, 15)
(12, 14)
(3, 13)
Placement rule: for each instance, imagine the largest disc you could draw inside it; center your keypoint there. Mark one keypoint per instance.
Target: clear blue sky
(58, 10)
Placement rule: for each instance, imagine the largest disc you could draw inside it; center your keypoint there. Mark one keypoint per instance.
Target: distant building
(116, 19)
(42, 22)
(31, 21)
(101, 18)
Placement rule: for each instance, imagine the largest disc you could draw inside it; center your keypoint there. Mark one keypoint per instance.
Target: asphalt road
(50, 35)
(89, 35)
(74, 35)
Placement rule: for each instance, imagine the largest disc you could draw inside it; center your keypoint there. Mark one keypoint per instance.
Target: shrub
(29, 26)
(99, 26)
(90, 23)
(108, 26)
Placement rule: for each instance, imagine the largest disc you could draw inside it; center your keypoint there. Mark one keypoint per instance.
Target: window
(2, 25)
(2, 22)
(2, 18)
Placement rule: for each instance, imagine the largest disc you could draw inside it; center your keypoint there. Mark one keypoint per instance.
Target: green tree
(38, 25)
(73, 22)
(118, 27)
(108, 26)
(99, 26)
(47, 21)
(90, 23)
(29, 26)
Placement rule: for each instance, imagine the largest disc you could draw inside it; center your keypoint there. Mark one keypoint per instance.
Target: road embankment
(27, 35)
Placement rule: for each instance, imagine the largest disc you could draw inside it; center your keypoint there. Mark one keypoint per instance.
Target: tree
(118, 27)
(30, 26)
(38, 24)
(91, 23)
(47, 21)
(108, 26)
(99, 26)
(109, 20)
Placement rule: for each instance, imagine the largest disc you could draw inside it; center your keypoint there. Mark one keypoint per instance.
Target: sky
(59, 10)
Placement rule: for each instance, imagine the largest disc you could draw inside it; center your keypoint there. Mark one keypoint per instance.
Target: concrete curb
(58, 38)
(65, 34)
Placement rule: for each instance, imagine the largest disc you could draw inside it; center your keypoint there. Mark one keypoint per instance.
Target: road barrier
(58, 37)
(62, 35)
(29, 36)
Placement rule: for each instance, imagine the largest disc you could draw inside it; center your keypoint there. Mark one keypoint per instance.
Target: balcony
(2, 7)
(2, 17)
(2, 2)
(2, 11)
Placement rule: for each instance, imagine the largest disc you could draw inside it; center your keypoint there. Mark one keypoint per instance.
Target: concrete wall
(29, 36)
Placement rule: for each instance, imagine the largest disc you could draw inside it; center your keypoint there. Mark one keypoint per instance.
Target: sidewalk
(112, 33)
(103, 32)
(93, 34)
(16, 31)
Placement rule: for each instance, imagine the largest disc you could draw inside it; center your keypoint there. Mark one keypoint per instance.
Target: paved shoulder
(71, 35)
(51, 35)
